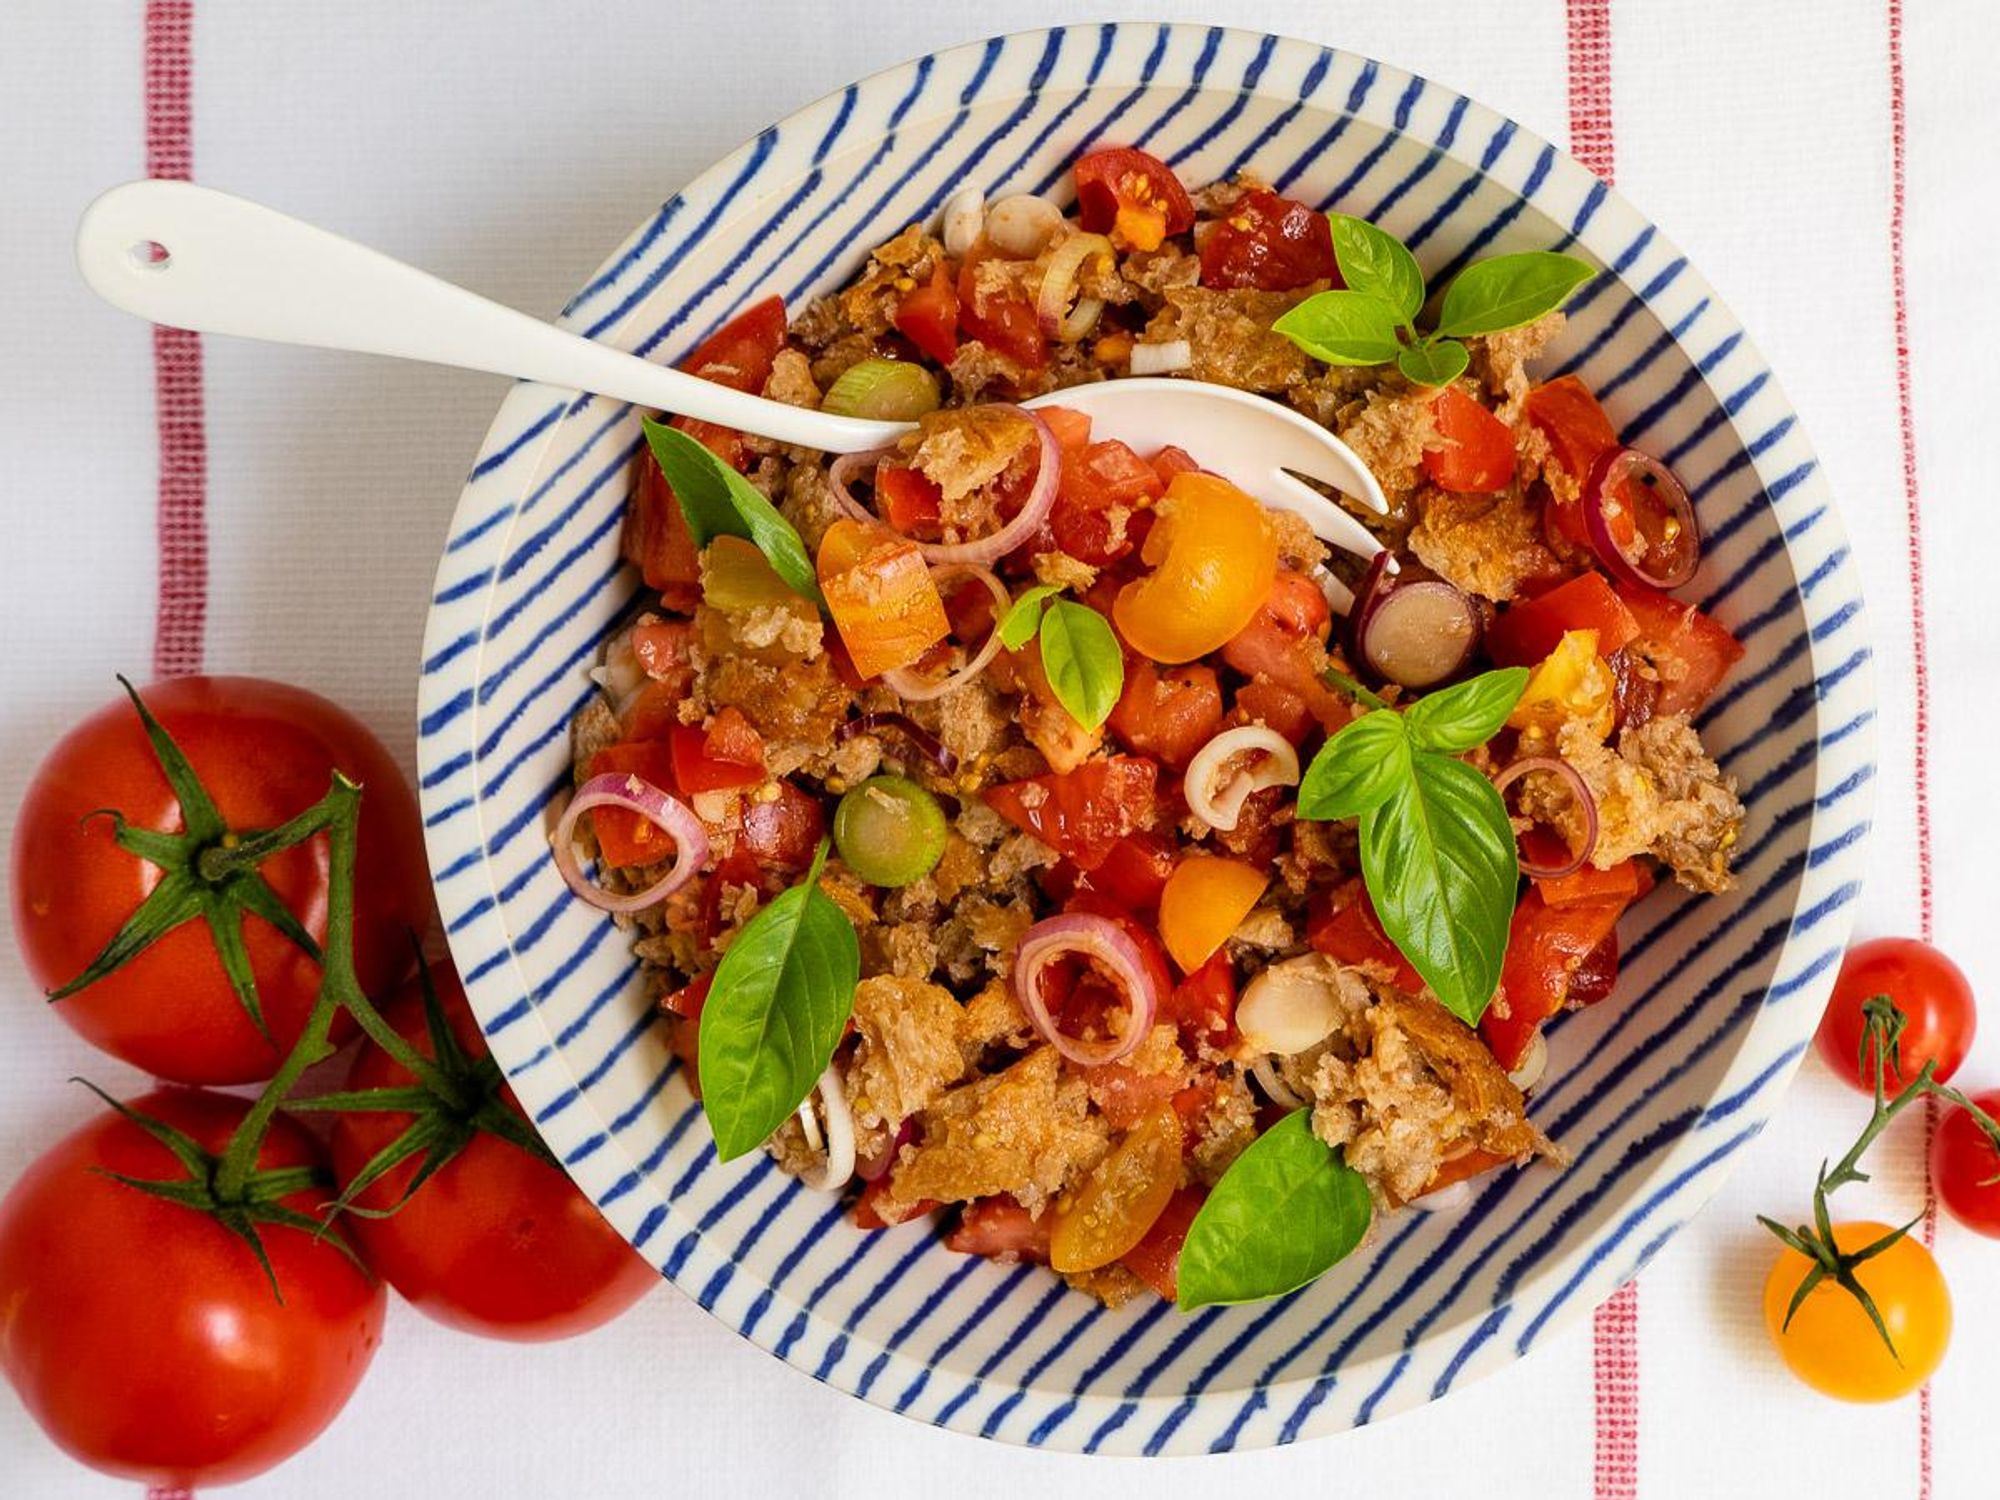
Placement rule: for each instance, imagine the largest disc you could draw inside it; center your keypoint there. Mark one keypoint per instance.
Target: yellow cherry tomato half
(1204, 900)
(881, 595)
(1121, 1198)
(1214, 557)
(1573, 682)
(1831, 1344)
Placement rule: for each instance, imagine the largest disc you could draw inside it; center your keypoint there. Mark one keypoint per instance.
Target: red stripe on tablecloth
(1615, 1328)
(1590, 84)
(1913, 517)
(181, 513)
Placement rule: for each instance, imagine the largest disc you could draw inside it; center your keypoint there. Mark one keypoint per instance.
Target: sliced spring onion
(889, 830)
(887, 390)
(1059, 286)
(1162, 359)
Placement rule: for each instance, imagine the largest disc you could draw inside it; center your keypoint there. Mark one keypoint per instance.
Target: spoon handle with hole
(227, 265)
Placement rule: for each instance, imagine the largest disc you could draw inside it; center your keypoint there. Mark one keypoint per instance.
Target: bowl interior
(1650, 1094)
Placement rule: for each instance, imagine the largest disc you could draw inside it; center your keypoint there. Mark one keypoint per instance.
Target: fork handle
(226, 265)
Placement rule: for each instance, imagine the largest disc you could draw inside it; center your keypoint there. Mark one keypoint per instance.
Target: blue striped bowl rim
(1654, 1093)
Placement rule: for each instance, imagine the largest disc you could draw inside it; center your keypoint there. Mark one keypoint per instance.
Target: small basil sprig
(1081, 656)
(718, 501)
(1437, 850)
(1373, 321)
(1288, 1208)
(775, 1012)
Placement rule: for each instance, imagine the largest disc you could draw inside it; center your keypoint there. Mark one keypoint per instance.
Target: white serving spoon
(192, 257)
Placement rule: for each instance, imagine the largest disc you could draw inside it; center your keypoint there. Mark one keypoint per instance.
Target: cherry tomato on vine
(263, 752)
(1965, 1166)
(498, 1240)
(1834, 1347)
(144, 1336)
(1929, 989)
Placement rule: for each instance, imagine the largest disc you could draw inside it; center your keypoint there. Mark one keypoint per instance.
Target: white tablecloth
(509, 145)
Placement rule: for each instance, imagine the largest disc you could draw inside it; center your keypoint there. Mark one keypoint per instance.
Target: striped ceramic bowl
(1653, 1094)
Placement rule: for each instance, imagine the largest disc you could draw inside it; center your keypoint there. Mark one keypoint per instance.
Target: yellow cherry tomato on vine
(1833, 1346)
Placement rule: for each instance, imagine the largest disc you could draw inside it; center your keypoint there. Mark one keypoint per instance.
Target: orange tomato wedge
(1214, 558)
(1205, 900)
(1121, 1198)
(881, 595)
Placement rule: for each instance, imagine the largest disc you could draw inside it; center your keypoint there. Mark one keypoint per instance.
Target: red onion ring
(874, 1167)
(670, 815)
(1041, 499)
(1579, 788)
(921, 739)
(1058, 319)
(906, 684)
(1612, 471)
(1376, 581)
(1420, 634)
(1110, 949)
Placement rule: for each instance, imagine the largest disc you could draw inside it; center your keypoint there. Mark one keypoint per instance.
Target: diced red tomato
(1000, 1229)
(1276, 708)
(731, 738)
(687, 1001)
(698, 770)
(736, 871)
(1080, 814)
(1125, 1096)
(785, 832)
(1170, 461)
(1625, 881)
(1546, 947)
(1135, 870)
(1283, 644)
(1342, 924)
(1132, 196)
(662, 648)
(1005, 323)
(1167, 714)
(1478, 456)
(1068, 426)
(1268, 242)
(1691, 652)
(1203, 1005)
(1156, 1259)
(656, 540)
(910, 501)
(623, 837)
(1577, 428)
(1469, 1163)
(1597, 975)
(740, 353)
(875, 1209)
(1103, 486)
(1580, 434)
(652, 712)
(1528, 630)
(1635, 693)
(928, 316)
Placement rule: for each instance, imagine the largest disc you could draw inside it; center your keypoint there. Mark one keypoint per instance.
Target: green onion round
(888, 390)
(889, 830)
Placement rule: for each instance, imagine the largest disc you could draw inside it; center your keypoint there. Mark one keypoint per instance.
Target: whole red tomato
(264, 752)
(144, 1336)
(1965, 1166)
(497, 1241)
(1929, 989)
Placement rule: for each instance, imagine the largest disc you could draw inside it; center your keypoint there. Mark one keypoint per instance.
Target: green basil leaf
(1509, 291)
(1343, 328)
(1359, 768)
(718, 501)
(1083, 660)
(1435, 361)
(779, 1004)
(1024, 617)
(1468, 713)
(1374, 261)
(1439, 861)
(1287, 1209)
